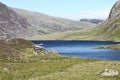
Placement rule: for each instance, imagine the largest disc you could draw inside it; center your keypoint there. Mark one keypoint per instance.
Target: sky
(71, 9)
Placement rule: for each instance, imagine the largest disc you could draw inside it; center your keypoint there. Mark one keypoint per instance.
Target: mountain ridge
(95, 21)
(49, 24)
(22, 23)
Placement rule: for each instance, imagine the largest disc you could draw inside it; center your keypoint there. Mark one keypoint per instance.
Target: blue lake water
(82, 49)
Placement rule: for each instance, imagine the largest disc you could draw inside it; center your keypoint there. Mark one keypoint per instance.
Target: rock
(5, 69)
(108, 72)
(39, 49)
(52, 51)
(115, 11)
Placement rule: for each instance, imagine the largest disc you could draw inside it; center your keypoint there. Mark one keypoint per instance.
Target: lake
(82, 48)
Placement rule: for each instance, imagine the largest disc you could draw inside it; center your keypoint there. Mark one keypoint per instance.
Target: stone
(5, 69)
(39, 49)
(108, 72)
(115, 11)
(52, 51)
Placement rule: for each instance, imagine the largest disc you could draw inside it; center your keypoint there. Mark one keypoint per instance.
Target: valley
(107, 30)
(93, 42)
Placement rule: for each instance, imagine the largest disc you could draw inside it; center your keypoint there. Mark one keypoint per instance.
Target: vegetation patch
(8, 53)
(114, 46)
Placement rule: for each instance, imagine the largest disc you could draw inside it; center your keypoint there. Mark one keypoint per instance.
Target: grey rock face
(115, 11)
(41, 50)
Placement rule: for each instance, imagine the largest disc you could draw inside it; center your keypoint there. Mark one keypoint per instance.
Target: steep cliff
(115, 11)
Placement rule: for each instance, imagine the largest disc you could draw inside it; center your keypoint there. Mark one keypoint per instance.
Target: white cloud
(92, 14)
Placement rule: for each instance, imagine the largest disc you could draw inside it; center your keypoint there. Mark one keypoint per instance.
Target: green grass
(46, 65)
(84, 71)
(68, 35)
(55, 67)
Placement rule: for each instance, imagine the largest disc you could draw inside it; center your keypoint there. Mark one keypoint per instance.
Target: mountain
(95, 21)
(12, 24)
(47, 24)
(107, 30)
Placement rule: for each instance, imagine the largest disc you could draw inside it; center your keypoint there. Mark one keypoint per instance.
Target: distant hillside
(95, 21)
(48, 24)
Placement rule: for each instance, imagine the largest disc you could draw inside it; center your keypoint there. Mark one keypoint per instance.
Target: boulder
(52, 51)
(108, 72)
(5, 69)
(39, 49)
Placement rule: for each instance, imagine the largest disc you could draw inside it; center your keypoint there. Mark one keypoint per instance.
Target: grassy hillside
(54, 67)
(109, 30)
(67, 35)
(8, 53)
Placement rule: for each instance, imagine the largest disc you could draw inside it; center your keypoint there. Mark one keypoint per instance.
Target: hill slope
(48, 24)
(12, 24)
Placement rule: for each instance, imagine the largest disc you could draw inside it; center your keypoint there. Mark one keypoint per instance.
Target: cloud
(92, 14)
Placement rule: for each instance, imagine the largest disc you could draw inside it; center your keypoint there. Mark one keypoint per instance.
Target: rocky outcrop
(41, 50)
(115, 11)
(108, 72)
(52, 51)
